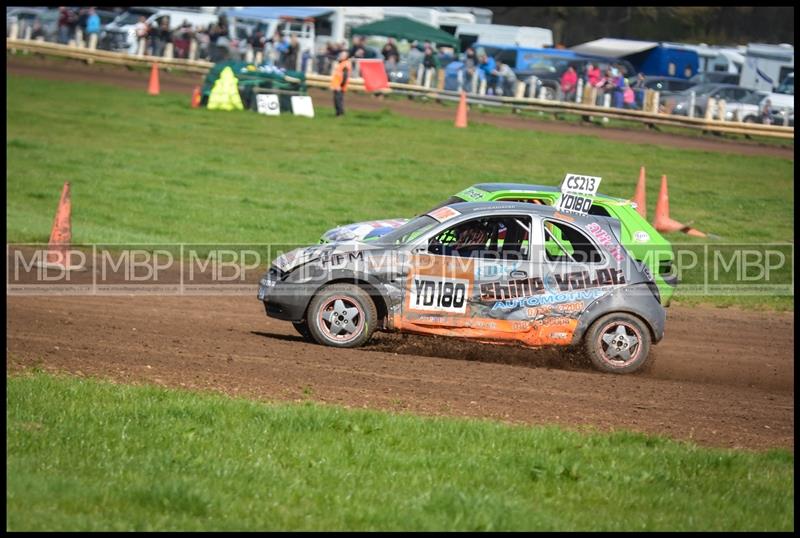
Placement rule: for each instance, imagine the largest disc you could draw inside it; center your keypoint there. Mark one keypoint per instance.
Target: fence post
(259, 57)
(428, 77)
(142, 46)
(28, 32)
(543, 93)
(482, 87)
(785, 117)
(440, 79)
(692, 98)
(519, 92)
(656, 102)
(79, 38)
(710, 105)
(579, 91)
(168, 50)
(93, 41)
(606, 104)
(721, 110)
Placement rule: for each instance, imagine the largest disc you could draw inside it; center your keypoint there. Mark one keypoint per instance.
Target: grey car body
(504, 293)
(730, 93)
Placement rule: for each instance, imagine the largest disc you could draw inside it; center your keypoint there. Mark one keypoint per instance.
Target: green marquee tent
(403, 28)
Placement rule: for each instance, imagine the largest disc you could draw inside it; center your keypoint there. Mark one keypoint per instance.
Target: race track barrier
(649, 116)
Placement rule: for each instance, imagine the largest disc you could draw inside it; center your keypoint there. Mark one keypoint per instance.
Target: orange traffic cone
(154, 87)
(662, 222)
(61, 234)
(461, 114)
(639, 197)
(196, 97)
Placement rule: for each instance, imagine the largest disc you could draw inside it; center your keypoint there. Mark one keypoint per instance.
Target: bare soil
(174, 81)
(721, 377)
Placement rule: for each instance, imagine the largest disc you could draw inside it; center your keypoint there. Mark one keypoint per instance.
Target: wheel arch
(364, 282)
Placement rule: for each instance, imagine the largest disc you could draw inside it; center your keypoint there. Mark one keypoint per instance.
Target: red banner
(374, 75)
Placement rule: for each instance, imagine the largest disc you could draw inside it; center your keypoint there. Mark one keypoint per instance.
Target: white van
(503, 35)
(766, 65)
(781, 99)
(120, 34)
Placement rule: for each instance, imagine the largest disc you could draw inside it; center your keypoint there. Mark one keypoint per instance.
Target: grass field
(86, 455)
(150, 169)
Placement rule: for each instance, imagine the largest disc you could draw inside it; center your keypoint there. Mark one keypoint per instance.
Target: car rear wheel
(618, 343)
(342, 315)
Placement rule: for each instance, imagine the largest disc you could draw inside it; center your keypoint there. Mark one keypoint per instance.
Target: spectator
(63, 25)
(414, 59)
(272, 49)
(766, 117)
(639, 88)
(257, 41)
(594, 77)
(628, 96)
(290, 56)
(92, 27)
(389, 51)
(203, 42)
(358, 49)
(142, 31)
(619, 88)
(429, 62)
(182, 39)
(470, 64)
(72, 23)
(161, 36)
(339, 81)
(569, 84)
(487, 65)
(506, 78)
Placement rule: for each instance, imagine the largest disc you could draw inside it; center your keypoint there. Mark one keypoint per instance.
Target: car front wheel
(342, 315)
(618, 343)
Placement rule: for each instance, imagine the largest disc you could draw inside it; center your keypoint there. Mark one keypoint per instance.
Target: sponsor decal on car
(641, 236)
(444, 213)
(604, 238)
(554, 283)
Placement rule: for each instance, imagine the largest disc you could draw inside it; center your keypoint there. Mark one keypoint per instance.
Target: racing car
(638, 236)
(500, 272)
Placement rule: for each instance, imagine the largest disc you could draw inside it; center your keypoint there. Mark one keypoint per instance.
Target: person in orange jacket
(339, 79)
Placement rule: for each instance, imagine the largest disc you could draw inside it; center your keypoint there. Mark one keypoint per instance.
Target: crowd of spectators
(474, 69)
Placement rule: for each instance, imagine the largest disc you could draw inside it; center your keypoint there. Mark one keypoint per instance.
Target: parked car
(714, 77)
(782, 99)
(510, 272)
(730, 93)
(24, 17)
(638, 236)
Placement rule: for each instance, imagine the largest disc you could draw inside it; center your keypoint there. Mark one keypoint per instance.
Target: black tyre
(618, 343)
(302, 328)
(342, 315)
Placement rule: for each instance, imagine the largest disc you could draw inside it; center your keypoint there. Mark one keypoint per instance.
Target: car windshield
(786, 87)
(131, 17)
(700, 89)
(408, 231)
(752, 99)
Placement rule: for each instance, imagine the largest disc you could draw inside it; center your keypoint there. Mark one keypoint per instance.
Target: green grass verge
(88, 455)
(151, 169)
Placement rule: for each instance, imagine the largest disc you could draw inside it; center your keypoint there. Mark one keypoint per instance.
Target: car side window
(564, 243)
(503, 237)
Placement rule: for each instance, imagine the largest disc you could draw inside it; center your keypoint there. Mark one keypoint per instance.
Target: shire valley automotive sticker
(575, 192)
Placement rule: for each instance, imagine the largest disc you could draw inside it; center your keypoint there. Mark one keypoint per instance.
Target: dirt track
(721, 377)
(184, 83)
